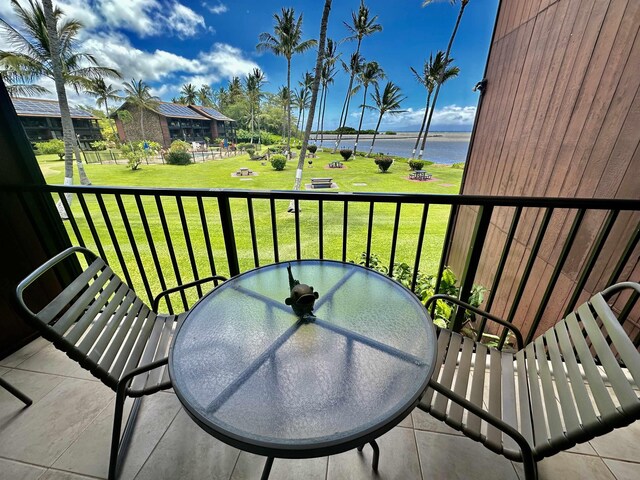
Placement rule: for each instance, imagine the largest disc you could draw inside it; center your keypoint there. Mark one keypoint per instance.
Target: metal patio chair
(100, 322)
(577, 381)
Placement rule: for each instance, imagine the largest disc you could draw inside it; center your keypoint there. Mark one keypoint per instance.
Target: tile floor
(65, 435)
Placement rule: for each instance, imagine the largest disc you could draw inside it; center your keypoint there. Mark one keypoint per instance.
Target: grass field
(218, 174)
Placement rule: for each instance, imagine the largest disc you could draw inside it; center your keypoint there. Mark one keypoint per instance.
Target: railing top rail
(379, 197)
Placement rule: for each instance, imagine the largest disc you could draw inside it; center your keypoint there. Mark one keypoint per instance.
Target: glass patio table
(257, 377)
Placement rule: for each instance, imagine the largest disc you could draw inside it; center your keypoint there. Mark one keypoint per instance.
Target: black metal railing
(156, 238)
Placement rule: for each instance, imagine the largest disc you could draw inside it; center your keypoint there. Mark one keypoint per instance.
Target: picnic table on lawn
(420, 175)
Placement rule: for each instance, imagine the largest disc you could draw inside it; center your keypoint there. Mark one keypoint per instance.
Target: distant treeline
(351, 130)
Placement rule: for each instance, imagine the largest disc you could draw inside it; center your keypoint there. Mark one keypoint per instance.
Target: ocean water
(442, 147)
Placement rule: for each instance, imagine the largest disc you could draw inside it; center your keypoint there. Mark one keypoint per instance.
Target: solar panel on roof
(45, 108)
(214, 113)
(174, 110)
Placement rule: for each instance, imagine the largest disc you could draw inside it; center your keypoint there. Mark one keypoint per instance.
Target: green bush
(384, 163)
(179, 146)
(346, 153)
(178, 157)
(278, 162)
(275, 149)
(250, 151)
(312, 149)
(51, 147)
(244, 146)
(416, 164)
(269, 138)
(459, 165)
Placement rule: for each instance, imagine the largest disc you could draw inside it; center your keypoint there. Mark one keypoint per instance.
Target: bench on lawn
(321, 182)
(244, 172)
(420, 175)
(335, 165)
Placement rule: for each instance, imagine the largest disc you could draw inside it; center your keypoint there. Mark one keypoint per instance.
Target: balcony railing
(157, 238)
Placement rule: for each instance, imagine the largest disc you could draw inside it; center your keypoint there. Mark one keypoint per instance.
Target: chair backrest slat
(537, 410)
(135, 337)
(554, 423)
(117, 321)
(85, 299)
(126, 327)
(619, 382)
(162, 350)
(148, 352)
(53, 308)
(509, 401)
(526, 427)
(462, 378)
(620, 339)
(477, 386)
(448, 371)
(494, 436)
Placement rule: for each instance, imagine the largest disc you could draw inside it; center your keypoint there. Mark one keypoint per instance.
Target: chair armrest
(484, 314)
(156, 300)
(527, 454)
(44, 268)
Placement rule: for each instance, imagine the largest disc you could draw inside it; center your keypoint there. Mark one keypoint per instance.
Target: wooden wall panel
(559, 117)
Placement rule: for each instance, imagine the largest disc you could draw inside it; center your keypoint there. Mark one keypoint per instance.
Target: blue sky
(170, 42)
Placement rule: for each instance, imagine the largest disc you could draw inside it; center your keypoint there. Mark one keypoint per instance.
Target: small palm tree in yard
(432, 72)
(139, 94)
(286, 41)
(104, 92)
(369, 75)
(386, 102)
(326, 78)
(253, 86)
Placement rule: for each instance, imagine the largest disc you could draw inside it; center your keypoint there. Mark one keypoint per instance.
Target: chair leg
(15, 392)
(119, 445)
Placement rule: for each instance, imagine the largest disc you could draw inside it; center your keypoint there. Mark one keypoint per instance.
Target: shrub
(179, 146)
(312, 149)
(459, 165)
(384, 163)
(250, 151)
(244, 146)
(390, 132)
(54, 146)
(346, 153)
(178, 157)
(416, 164)
(275, 149)
(278, 162)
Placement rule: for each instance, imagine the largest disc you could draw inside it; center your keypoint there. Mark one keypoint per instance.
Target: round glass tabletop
(251, 373)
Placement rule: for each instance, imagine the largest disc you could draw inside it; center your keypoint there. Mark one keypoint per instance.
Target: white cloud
(216, 9)
(185, 21)
(448, 115)
(228, 61)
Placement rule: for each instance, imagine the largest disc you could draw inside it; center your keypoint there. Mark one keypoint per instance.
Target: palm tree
(253, 85)
(314, 96)
(220, 97)
(326, 78)
(286, 42)
(369, 75)
(301, 100)
(98, 88)
(361, 26)
(204, 96)
(431, 72)
(284, 97)
(189, 94)
(387, 102)
(47, 49)
(138, 94)
(463, 5)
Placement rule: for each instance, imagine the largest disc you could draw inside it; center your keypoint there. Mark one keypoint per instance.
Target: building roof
(37, 107)
(178, 111)
(212, 113)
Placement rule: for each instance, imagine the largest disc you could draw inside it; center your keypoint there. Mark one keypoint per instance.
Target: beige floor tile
(25, 352)
(623, 470)
(454, 457)
(54, 422)
(398, 459)
(406, 422)
(19, 471)
(570, 466)
(89, 454)
(620, 444)
(188, 452)
(423, 421)
(583, 448)
(52, 474)
(249, 467)
(4, 370)
(51, 360)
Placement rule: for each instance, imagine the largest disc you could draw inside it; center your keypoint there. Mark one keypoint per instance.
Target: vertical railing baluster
(591, 259)
(252, 229)
(394, 239)
(566, 248)
(320, 230)
(501, 264)
(274, 229)
(152, 249)
(444, 254)
(172, 253)
(187, 239)
(369, 233)
(114, 238)
(205, 233)
(416, 264)
(296, 214)
(92, 227)
(345, 220)
(483, 220)
(527, 271)
(72, 219)
(134, 245)
(226, 220)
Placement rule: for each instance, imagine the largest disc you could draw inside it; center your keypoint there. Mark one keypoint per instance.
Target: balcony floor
(65, 435)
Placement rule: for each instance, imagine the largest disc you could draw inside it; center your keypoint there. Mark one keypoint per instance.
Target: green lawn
(217, 174)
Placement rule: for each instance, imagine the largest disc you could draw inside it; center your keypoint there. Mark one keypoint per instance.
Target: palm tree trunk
(84, 180)
(424, 120)
(324, 108)
(364, 101)
(314, 97)
(68, 133)
(424, 138)
(320, 114)
(289, 108)
(375, 134)
(446, 61)
(345, 108)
